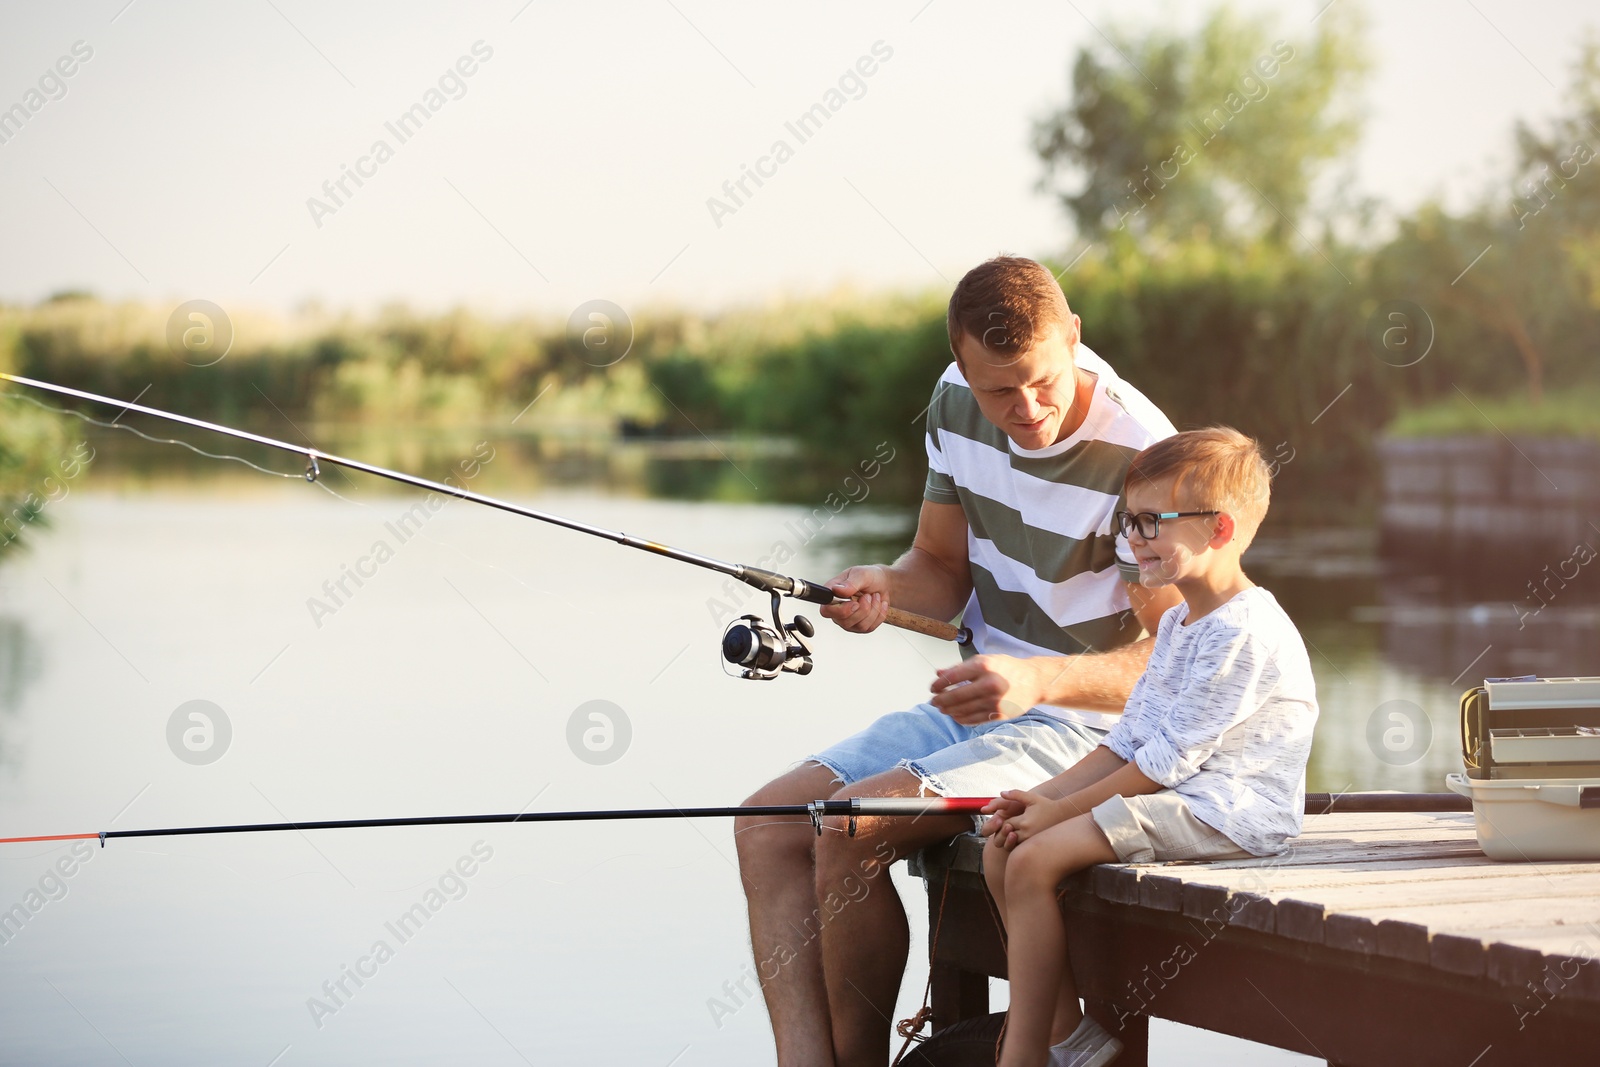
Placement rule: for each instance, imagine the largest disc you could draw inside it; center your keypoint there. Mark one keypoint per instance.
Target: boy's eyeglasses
(1148, 523)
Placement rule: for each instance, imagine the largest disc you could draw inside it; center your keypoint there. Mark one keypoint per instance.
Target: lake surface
(447, 681)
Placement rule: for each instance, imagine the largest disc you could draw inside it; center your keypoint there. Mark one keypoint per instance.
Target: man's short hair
(1007, 304)
(1217, 467)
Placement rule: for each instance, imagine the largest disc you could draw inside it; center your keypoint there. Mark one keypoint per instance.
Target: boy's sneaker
(1089, 1046)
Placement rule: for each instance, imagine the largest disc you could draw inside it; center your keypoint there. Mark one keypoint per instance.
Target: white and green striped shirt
(1047, 571)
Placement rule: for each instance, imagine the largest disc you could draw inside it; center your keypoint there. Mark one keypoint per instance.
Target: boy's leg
(1068, 1011)
(1042, 988)
(994, 876)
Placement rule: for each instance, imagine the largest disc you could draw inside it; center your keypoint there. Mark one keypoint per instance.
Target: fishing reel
(764, 652)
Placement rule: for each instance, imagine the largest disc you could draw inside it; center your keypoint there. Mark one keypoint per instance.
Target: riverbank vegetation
(1215, 263)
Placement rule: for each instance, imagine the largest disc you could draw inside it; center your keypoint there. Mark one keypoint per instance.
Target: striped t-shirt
(1047, 571)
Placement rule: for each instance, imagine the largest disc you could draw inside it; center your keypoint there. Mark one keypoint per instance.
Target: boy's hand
(999, 809)
(868, 588)
(1037, 815)
(988, 687)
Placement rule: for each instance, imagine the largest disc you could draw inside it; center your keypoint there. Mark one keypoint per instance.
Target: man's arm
(1101, 681)
(932, 578)
(1005, 686)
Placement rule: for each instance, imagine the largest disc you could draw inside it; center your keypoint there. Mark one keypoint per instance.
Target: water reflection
(423, 696)
(747, 470)
(1381, 628)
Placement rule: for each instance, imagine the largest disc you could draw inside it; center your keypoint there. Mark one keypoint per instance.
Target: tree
(1519, 275)
(1215, 135)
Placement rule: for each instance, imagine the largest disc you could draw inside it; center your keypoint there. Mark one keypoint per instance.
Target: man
(1029, 437)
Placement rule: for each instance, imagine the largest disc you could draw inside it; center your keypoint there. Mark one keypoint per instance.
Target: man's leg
(777, 865)
(864, 932)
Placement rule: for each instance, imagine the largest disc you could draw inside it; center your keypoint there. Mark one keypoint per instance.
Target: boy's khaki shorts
(1160, 826)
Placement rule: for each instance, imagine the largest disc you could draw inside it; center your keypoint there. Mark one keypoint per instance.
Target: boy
(1208, 760)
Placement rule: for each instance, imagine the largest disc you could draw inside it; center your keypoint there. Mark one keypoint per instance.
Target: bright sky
(578, 159)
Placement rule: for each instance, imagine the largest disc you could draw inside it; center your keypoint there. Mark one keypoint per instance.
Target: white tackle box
(1531, 750)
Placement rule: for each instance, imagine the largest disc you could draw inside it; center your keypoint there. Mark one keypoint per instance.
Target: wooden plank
(955, 994)
(1162, 891)
(1300, 920)
(1378, 871)
(1488, 894)
(1403, 886)
(1353, 933)
(1402, 940)
(1245, 984)
(1548, 964)
(1456, 954)
(1447, 916)
(1117, 883)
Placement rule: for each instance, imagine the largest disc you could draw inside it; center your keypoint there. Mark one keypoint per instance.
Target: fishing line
(318, 482)
(755, 649)
(13, 395)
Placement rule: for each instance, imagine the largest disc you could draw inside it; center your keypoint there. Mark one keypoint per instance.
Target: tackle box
(1531, 750)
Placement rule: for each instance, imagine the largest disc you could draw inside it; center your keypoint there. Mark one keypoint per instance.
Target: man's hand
(868, 588)
(988, 687)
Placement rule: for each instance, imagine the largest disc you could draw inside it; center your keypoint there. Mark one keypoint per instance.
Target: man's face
(1029, 395)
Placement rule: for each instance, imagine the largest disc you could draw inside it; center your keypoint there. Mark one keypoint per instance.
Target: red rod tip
(48, 837)
(965, 803)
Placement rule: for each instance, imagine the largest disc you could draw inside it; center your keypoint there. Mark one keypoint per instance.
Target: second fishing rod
(755, 649)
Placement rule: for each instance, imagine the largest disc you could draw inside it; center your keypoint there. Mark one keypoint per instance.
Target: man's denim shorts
(962, 761)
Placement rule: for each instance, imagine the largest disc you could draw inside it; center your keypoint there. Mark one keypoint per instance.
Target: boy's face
(1182, 546)
(1030, 395)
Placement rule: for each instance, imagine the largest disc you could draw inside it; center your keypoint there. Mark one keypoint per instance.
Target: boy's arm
(1021, 815)
(1235, 675)
(1087, 771)
(1081, 775)
(1126, 781)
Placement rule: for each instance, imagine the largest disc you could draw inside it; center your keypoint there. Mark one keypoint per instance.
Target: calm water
(446, 683)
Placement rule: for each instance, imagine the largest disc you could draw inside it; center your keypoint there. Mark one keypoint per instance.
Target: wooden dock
(1380, 939)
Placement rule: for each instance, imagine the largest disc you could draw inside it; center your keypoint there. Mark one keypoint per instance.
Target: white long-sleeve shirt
(1223, 716)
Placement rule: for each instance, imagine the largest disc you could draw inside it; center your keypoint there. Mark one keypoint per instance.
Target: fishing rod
(817, 810)
(759, 651)
(851, 808)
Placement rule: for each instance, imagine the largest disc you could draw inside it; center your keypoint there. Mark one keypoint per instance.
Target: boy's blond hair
(1217, 467)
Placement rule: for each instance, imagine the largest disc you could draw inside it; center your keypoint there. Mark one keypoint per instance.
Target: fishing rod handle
(921, 624)
(818, 593)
